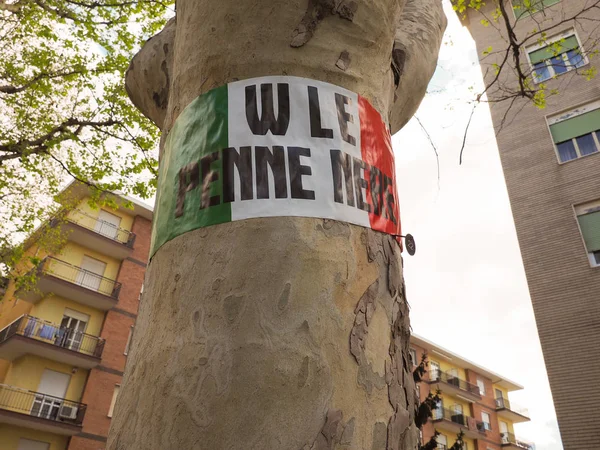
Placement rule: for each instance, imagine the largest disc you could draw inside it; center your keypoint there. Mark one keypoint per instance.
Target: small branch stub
(411, 246)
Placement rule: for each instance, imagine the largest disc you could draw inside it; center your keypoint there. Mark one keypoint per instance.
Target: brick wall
(117, 325)
(563, 287)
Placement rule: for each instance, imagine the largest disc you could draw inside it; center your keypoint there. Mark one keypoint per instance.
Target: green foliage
(459, 444)
(65, 112)
(421, 369)
(425, 409)
(432, 443)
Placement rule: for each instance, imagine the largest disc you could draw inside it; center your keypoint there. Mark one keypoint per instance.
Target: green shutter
(535, 6)
(590, 228)
(575, 127)
(551, 50)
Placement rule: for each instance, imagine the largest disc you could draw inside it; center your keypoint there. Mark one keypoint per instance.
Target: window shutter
(550, 51)
(590, 228)
(575, 127)
(537, 5)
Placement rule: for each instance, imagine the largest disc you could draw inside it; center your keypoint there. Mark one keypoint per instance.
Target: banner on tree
(276, 146)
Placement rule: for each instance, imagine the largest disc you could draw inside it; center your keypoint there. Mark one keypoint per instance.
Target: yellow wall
(504, 391)
(52, 308)
(74, 253)
(446, 366)
(84, 206)
(26, 373)
(451, 439)
(448, 401)
(10, 435)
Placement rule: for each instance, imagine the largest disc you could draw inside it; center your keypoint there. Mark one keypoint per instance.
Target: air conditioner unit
(68, 412)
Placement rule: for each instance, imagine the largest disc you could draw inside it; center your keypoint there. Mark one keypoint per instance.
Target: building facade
(64, 336)
(552, 171)
(474, 400)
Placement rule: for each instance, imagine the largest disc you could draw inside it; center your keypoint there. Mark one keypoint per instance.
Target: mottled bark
(279, 333)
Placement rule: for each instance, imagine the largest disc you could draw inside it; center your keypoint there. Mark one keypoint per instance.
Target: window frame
(129, 337)
(482, 387)
(592, 206)
(550, 41)
(486, 425)
(113, 401)
(438, 369)
(580, 109)
(411, 352)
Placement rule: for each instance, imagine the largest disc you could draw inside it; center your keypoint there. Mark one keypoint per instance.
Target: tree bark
(277, 333)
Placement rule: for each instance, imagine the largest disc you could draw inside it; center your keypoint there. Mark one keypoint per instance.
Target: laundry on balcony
(48, 332)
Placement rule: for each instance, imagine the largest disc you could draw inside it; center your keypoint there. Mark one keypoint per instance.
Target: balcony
(510, 441)
(453, 385)
(32, 336)
(512, 412)
(454, 422)
(96, 234)
(34, 410)
(72, 282)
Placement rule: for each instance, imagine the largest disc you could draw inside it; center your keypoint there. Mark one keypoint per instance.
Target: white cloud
(466, 284)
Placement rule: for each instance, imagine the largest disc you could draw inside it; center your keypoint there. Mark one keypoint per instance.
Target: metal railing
(79, 276)
(40, 405)
(41, 330)
(504, 403)
(454, 381)
(104, 228)
(509, 438)
(459, 418)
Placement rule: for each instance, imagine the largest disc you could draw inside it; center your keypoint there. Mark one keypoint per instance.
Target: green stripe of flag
(201, 129)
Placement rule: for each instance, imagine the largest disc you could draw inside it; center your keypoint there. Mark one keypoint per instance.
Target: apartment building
(552, 171)
(474, 400)
(64, 337)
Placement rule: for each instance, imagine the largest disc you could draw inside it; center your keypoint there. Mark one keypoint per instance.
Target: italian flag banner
(276, 146)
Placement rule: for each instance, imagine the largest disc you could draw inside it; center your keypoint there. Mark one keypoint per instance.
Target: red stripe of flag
(376, 150)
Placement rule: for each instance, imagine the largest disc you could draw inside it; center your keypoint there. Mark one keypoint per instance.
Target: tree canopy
(65, 112)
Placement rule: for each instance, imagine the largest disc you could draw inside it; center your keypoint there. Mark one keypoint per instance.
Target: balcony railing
(40, 405)
(103, 228)
(459, 418)
(510, 439)
(454, 381)
(81, 277)
(41, 330)
(504, 403)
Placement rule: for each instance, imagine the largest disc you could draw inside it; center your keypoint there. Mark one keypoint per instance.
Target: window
(442, 442)
(576, 133)
(438, 412)
(485, 418)
(481, 386)
(524, 8)
(556, 57)
(128, 340)
(114, 400)
(588, 217)
(72, 331)
(413, 357)
(434, 370)
(418, 386)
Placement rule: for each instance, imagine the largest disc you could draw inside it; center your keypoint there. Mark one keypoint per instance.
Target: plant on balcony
(425, 409)
(431, 444)
(421, 369)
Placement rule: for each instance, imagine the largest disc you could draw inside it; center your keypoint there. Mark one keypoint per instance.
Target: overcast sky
(466, 285)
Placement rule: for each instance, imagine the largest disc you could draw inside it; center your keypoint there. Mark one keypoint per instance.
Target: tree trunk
(281, 332)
